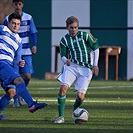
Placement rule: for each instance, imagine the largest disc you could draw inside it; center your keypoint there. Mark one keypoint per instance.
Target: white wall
(61, 10)
(130, 41)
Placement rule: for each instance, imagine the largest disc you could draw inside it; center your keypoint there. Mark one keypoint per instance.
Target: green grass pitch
(109, 103)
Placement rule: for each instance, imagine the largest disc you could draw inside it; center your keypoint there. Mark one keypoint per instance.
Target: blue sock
(22, 90)
(15, 98)
(26, 83)
(4, 102)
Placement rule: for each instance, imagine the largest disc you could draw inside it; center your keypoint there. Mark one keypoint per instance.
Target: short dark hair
(14, 16)
(17, 1)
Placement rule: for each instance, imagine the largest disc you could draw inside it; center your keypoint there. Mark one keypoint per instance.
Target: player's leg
(26, 72)
(26, 77)
(5, 79)
(61, 103)
(6, 99)
(81, 85)
(66, 78)
(9, 75)
(16, 103)
(79, 100)
(24, 93)
(15, 98)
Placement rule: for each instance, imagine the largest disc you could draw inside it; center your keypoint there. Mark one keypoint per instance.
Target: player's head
(72, 24)
(14, 22)
(18, 6)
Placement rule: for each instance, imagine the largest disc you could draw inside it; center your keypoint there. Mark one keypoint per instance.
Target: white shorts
(79, 75)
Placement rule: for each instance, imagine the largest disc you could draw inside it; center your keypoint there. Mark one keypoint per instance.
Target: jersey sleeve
(63, 48)
(93, 42)
(34, 39)
(32, 27)
(18, 53)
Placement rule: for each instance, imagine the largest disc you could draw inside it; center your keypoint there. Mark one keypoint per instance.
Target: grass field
(109, 103)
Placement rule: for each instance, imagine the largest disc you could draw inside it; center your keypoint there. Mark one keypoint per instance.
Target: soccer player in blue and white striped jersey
(75, 48)
(10, 50)
(27, 28)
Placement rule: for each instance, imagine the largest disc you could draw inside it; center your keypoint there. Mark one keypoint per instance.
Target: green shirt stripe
(78, 48)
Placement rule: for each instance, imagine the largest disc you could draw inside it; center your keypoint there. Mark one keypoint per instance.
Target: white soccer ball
(80, 116)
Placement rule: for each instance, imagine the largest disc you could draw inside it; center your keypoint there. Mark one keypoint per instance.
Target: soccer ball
(80, 116)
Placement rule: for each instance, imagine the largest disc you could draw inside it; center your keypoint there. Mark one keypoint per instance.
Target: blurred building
(5, 9)
(110, 21)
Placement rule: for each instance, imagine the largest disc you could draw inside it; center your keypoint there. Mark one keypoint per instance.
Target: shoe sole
(59, 122)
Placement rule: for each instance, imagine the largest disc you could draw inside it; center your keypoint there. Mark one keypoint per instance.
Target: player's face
(18, 6)
(14, 25)
(73, 29)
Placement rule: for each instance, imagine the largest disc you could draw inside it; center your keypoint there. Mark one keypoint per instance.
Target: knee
(11, 92)
(27, 77)
(80, 96)
(18, 80)
(63, 90)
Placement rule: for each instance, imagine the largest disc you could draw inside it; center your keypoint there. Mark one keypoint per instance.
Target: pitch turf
(109, 103)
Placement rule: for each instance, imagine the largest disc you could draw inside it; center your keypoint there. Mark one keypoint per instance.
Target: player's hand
(21, 63)
(95, 70)
(34, 49)
(68, 62)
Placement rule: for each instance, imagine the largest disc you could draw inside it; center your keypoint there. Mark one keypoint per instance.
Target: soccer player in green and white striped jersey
(75, 49)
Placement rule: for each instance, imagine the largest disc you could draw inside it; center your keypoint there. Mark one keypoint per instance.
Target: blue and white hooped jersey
(27, 27)
(10, 44)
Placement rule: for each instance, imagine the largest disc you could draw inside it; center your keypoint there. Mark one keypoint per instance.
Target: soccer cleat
(16, 105)
(37, 106)
(59, 120)
(20, 100)
(2, 117)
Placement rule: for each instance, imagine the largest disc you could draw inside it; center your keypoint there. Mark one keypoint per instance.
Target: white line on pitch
(93, 87)
(90, 101)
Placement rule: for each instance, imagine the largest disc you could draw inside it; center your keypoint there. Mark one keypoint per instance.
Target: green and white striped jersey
(78, 48)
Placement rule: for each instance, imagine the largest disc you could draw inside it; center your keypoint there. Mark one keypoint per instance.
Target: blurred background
(110, 21)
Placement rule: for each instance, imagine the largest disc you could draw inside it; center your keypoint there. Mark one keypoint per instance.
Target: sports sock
(15, 98)
(26, 83)
(77, 103)
(61, 104)
(24, 93)
(4, 102)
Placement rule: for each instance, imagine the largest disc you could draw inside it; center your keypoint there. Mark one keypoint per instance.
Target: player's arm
(33, 32)
(93, 43)
(66, 61)
(95, 68)
(17, 59)
(63, 53)
(34, 42)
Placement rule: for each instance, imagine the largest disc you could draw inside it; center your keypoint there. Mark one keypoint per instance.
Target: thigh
(7, 74)
(82, 82)
(28, 67)
(66, 77)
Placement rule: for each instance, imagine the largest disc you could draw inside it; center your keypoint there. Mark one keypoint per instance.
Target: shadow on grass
(58, 130)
